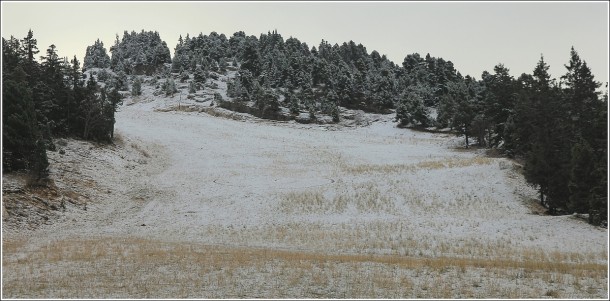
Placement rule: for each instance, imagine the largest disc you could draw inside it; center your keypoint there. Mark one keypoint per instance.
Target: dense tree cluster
(139, 53)
(207, 52)
(96, 56)
(559, 130)
(305, 79)
(45, 100)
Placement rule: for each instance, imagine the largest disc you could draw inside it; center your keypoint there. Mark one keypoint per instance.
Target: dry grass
(210, 110)
(115, 268)
(118, 139)
(181, 108)
(365, 197)
(311, 202)
(425, 165)
(140, 149)
(399, 238)
(222, 113)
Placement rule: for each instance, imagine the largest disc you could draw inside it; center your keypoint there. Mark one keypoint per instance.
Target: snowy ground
(192, 205)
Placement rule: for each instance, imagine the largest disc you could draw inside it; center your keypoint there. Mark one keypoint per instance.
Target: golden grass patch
(425, 165)
(119, 268)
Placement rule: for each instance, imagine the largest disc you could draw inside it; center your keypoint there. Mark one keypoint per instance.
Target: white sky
(475, 36)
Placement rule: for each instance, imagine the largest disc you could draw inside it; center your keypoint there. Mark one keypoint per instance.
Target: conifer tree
(222, 65)
(96, 56)
(251, 60)
(498, 101)
(136, 87)
(22, 144)
(169, 87)
(29, 50)
(581, 177)
(411, 110)
(292, 102)
(199, 75)
(582, 96)
(539, 117)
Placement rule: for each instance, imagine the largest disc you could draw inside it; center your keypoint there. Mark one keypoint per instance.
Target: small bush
(552, 293)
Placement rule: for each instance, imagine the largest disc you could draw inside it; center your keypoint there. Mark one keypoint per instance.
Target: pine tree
(321, 72)
(411, 110)
(581, 177)
(384, 89)
(199, 75)
(598, 199)
(217, 97)
(510, 137)
(344, 86)
(248, 83)
(445, 110)
(251, 60)
(22, 145)
(214, 66)
(537, 168)
(11, 54)
(222, 65)
(332, 102)
(462, 95)
(55, 96)
(30, 49)
(498, 103)
(586, 129)
(114, 100)
(532, 109)
(96, 56)
(121, 82)
(78, 91)
(541, 120)
(136, 87)
(266, 101)
(91, 111)
(582, 96)
(292, 102)
(184, 76)
(169, 87)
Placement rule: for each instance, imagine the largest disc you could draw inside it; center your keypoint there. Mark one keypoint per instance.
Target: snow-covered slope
(371, 189)
(257, 177)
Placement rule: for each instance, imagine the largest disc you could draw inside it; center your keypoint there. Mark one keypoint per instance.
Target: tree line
(558, 129)
(47, 99)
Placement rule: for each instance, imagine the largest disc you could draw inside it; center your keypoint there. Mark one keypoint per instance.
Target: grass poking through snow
(115, 268)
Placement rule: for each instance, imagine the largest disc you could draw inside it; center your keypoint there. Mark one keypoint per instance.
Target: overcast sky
(475, 36)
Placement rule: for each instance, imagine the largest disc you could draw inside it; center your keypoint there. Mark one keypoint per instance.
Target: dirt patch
(82, 174)
(28, 207)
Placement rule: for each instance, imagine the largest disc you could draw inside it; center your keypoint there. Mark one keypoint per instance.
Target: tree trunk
(86, 127)
(489, 137)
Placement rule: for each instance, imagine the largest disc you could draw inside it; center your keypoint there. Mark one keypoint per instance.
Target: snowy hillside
(198, 202)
